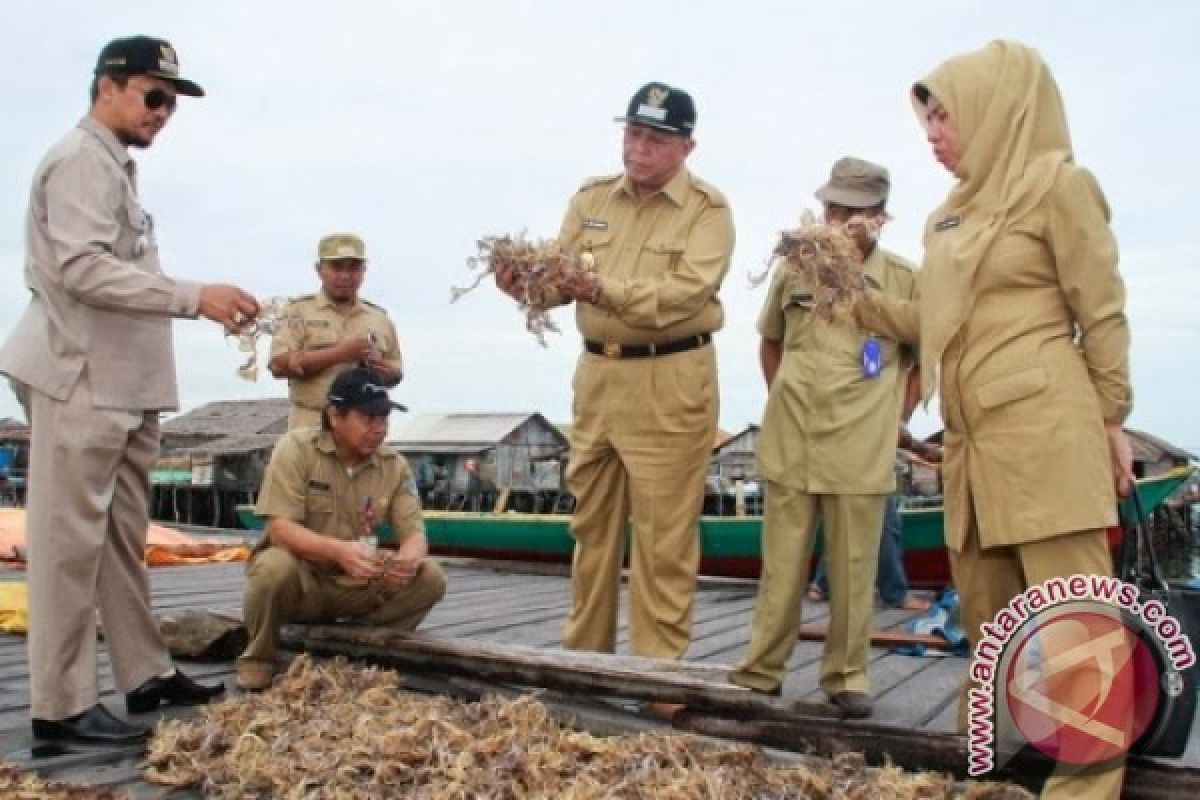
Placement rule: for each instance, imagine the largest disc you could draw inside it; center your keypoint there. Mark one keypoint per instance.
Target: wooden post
(739, 498)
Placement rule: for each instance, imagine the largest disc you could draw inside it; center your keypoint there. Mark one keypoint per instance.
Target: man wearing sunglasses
(331, 330)
(93, 364)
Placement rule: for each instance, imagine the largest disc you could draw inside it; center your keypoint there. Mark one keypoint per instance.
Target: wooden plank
(941, 752)
(881, 638)
(689, 683)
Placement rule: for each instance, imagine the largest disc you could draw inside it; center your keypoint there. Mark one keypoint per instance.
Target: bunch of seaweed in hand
(270, 317)
(541, 269)
(827, 256)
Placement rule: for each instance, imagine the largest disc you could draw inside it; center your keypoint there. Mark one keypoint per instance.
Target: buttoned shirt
(307, 484)
(100, 300)
(314, 322)
(659, 260)
(829, 428)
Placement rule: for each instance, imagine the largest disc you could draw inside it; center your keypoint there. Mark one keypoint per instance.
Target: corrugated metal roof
(228, 445)
(230, 417)
(462, 430)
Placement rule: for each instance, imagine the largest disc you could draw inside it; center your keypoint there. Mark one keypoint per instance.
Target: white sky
(425, 125)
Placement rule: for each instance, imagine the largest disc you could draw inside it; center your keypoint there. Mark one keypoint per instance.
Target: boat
(730, 546)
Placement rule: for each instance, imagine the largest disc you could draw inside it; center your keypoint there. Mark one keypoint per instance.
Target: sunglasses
(158, 98)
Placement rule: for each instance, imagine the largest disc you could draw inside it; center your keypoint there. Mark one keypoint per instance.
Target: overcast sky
(425, 125)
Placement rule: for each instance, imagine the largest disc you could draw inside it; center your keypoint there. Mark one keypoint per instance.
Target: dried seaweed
(827, 256)
(270, 316)
(18, 785)
(542, 268)
(336, 730)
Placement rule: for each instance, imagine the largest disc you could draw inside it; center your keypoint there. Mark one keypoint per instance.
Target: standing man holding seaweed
(827, 443)
(654, 244)
(324, 333)
(93, 363)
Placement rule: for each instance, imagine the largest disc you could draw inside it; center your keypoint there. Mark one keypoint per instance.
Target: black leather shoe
(177, 690)
(853, 705)
(97, 725)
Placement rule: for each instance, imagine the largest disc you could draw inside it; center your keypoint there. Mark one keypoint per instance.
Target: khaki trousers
(988, 579)
(852, 525)
(281, 588)
(87, 515)
(640, 444)
(300, 417)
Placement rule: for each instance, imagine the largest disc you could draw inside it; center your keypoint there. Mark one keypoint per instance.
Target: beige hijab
(1013, 134)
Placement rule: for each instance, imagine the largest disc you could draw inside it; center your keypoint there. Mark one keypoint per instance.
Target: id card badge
(872, 358)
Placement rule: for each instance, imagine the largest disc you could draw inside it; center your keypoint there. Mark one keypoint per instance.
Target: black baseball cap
(361, 390)
(145, 55)
(657, 105)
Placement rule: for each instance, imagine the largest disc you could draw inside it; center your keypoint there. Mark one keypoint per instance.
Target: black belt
(614, 350)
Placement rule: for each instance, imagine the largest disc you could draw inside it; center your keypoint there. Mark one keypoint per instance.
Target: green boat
(730, 546)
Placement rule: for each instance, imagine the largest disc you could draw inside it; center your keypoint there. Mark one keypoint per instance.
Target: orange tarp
(164, 546)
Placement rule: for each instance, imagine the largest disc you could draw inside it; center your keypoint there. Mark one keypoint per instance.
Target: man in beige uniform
(326, 489)
(645, 406)
(328, 331)
(93, 362)
(826, 451)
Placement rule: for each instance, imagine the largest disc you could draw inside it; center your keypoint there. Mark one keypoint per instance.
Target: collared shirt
(828, 428)
(307, 483)
(99, 298)
(314, 322)
(660, 260)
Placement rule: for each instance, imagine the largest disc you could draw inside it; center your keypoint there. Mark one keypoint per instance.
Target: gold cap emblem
(656, 96)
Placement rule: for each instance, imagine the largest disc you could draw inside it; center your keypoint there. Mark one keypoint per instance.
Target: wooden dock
(487, 603)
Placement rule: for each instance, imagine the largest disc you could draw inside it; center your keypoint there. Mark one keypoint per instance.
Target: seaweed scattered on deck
(333, 729)
(18, 785)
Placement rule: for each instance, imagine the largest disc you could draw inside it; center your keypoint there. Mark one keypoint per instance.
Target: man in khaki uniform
(645, 388)
(328, 331)
(826, 451)
(93, 364)
(326, 491)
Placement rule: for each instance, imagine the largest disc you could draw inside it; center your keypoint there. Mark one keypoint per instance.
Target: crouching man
(326, 492)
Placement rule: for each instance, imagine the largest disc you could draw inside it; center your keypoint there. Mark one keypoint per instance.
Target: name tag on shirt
(319, 486)
(593, 224)
(872, 358)
(948, 223)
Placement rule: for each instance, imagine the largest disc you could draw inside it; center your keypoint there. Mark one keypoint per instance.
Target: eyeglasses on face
(157, 98)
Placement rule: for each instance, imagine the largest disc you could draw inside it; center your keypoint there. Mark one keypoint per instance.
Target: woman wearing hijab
(1020, 319)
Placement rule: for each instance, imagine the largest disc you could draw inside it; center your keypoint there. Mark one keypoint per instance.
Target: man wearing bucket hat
(327, 494)
(331, 330)
(93, 363)
(658, 241)
(826, 451)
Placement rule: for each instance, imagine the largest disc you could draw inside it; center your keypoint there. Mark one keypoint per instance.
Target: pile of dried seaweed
(541, 268)
(337, 730)
(18, 785)
(827, 256)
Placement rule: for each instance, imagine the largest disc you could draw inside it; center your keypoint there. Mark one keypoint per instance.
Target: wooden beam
(1145, 779)
(880, 638)
(689, 683)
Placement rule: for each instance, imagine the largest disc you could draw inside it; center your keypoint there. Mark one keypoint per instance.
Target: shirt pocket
(1014, 387)
(319, 510)
(600, 245)
(660, 255)
(319, 334)
(135, 234)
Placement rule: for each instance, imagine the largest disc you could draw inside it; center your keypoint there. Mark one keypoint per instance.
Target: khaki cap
(341, 245)
(855, 183)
